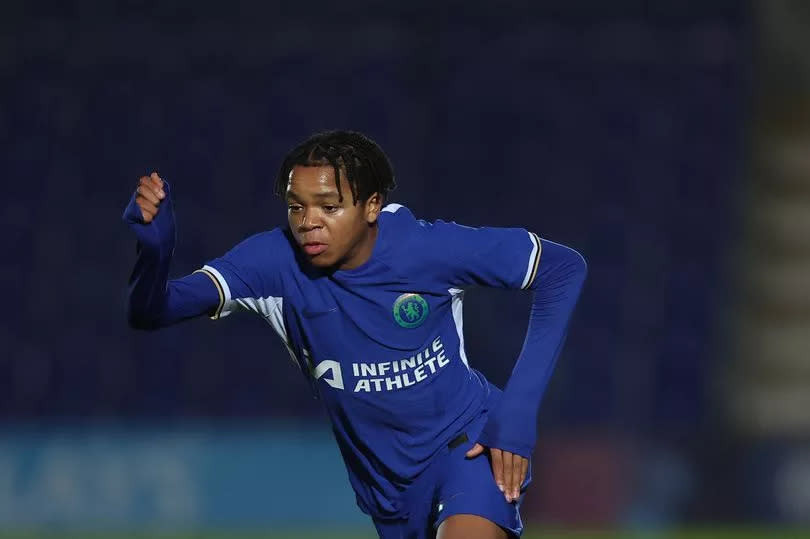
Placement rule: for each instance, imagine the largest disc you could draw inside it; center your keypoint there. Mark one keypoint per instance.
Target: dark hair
(366, 166)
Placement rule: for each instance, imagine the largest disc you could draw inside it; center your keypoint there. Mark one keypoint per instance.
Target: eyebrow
(320, 196)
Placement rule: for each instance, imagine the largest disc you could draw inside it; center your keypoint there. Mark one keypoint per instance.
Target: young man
(368, 301)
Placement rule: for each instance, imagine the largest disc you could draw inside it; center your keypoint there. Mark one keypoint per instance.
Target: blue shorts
(456, 485)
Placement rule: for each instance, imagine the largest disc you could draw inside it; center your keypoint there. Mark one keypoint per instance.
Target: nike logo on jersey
(313, 314)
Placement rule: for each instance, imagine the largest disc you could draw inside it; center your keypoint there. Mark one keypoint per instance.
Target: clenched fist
(150, 214)
(148, 196)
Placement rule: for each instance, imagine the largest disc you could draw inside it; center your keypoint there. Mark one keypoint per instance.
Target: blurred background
(666, 141)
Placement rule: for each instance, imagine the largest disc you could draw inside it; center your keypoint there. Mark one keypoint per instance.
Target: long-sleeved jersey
(382, 345)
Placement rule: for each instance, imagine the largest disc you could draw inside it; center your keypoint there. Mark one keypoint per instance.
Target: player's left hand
(508, 469)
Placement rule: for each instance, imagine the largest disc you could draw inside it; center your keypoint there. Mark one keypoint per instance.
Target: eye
(294, 208)
(330, 208)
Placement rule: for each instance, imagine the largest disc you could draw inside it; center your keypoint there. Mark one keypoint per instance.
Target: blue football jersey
(382, 344)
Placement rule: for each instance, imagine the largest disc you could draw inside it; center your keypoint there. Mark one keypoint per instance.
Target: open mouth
(314, 248)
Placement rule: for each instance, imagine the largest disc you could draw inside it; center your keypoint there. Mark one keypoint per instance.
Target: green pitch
(707, 533)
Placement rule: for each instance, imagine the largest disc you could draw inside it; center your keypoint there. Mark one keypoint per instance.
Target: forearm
(147, 288)
(561, 274)
(155, 302)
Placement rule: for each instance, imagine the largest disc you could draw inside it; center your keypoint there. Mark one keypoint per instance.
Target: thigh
(470, 527)
(405, 528)
(468, 488)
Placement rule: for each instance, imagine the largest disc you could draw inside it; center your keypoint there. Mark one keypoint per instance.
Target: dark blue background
(614, 129)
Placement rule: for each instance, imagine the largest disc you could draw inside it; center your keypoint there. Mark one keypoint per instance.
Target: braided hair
(366, 167)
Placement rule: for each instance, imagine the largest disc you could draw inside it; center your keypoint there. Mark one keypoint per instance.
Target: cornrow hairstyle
(365, 165)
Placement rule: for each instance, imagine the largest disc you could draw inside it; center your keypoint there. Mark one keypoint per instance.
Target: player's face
(329, 231)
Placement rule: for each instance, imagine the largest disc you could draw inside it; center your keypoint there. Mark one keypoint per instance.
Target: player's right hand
(150, 214)
(149, 195)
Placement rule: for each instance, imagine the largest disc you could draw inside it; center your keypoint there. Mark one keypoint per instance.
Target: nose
(309, 219)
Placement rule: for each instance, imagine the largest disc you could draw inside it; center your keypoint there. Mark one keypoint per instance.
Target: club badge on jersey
(410, 310)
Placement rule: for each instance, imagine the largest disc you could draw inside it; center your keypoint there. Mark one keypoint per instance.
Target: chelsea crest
(410, 310)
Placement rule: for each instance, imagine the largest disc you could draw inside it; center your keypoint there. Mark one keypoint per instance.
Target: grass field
(707, 533)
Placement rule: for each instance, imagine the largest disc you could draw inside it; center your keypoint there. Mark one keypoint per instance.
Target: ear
(373, 207)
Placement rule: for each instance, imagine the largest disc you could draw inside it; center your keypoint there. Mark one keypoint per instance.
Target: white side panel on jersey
(457, 307)
(270, 308)
(392, 207)
(227, 304)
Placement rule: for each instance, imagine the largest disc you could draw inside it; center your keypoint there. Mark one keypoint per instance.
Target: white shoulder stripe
(392, 208)
(226, 291)
(534, 257)
(222, 282)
